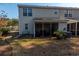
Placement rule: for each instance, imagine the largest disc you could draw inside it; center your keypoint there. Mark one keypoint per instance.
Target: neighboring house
(44, 20)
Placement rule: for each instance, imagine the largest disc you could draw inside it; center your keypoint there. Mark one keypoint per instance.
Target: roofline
(46, 7)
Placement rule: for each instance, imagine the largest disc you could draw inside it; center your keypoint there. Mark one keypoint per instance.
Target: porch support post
(34, 29)
(76, 29)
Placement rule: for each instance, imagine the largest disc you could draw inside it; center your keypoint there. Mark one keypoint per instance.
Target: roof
(72, 21)
(45, 19)
(46, 7)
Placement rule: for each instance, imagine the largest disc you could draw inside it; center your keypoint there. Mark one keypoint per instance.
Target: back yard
(41, 47)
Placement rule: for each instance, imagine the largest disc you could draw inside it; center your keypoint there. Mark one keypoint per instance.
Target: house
(44, 20)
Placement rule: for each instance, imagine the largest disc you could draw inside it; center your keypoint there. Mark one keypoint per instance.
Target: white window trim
(27, 11)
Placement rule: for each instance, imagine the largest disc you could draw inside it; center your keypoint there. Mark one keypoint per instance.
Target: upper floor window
(67, 15)
(24, 11)
(55, 12)
(70, 15)
(27, 12)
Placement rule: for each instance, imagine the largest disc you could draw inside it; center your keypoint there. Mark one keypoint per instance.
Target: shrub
(4, 31)
(60, 34)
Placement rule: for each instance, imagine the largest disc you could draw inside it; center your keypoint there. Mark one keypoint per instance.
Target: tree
(3, 17)
(12, 22)
(3, 14)
(3, 23)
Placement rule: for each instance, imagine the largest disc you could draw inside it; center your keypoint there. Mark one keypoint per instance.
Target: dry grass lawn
(44, 47)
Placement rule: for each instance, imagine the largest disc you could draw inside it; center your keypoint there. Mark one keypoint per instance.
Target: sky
(12, 10)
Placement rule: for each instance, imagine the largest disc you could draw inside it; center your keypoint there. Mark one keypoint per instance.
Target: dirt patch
(4, 50)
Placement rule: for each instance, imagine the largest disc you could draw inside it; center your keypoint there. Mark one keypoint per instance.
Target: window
(27, 12)
(65, 15)
(70, 15)
(55, 12)
(26, 26)
(24, 11)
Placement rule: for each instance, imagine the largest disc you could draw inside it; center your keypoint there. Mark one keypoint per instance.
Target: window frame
(55, 12)
(27, 13)
(65, 15)
(30, 11)
(70, 15)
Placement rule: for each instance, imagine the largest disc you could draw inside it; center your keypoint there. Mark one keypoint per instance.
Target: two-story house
(44, 20)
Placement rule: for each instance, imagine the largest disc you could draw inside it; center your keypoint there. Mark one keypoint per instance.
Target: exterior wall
(45, 13)
(29, 20)
(50, 13)
(61, 14)
(38, 12)
(25, 20)
(75, 14)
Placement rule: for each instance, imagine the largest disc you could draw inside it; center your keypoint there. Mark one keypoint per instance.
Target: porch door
(38, 29)
(46, 29)
(54, 27)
